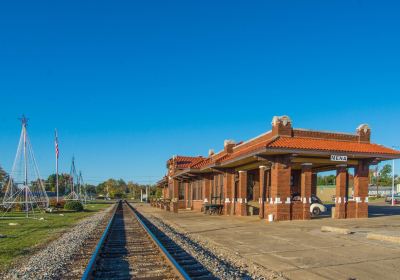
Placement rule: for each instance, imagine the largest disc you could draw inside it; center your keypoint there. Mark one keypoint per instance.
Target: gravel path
(53, 261)
(222, 262)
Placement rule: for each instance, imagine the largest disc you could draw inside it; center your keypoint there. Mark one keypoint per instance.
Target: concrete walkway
(299, 249)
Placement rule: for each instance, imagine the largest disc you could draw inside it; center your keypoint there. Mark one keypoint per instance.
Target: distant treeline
(382, 177)
(113, 187)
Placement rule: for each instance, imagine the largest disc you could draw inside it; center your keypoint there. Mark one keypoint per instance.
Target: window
(250, 186)
(197, 190)
(181, 191)
(213, 187)
(170, 190)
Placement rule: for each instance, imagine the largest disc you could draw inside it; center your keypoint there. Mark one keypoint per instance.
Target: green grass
(376, 199)
(29, 234)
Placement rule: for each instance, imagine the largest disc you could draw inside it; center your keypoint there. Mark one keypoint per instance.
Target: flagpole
(56, 163)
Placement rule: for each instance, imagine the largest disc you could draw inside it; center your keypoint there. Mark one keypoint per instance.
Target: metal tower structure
(82, 188)
(74, 182)
(25, 189)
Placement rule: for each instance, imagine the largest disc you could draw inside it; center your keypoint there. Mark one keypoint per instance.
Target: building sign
(338, 158)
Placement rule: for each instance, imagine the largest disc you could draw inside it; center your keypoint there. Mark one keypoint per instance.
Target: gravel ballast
(53, 261)
(222, 262)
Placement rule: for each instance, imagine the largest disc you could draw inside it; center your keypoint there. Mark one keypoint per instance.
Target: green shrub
(74, 205)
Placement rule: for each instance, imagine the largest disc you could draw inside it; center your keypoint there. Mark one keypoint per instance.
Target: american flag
(56, 144)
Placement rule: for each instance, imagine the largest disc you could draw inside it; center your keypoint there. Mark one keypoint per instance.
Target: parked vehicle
(316, 207)
(396, 197)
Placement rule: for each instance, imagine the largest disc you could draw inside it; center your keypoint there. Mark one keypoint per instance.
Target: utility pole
(56, 146)
(393, 182)
(393, 178)
(24, 123)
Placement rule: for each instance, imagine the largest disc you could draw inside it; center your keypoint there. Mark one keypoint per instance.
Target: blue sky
(128, 84)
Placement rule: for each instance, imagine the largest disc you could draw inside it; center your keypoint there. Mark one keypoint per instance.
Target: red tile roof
(247, 150)
(284, 142)
(330, 145)
(200, 164)
(186, 162)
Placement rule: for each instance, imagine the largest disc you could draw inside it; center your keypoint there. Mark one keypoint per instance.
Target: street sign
(338, 158)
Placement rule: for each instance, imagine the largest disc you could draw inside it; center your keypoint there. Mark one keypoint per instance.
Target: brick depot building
(264, 172)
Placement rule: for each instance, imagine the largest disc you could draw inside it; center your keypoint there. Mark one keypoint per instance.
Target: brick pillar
(314, 180)
(186, 198)
(306, 183)
(361, 180)
(341, 191)
(175, 189)
(267, 205)
(228, 191)
(165, 192)
(242, 195)
(280, 188)
(262, 190)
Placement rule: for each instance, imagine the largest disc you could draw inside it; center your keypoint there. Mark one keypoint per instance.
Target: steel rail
(92, 261)
(177, 266)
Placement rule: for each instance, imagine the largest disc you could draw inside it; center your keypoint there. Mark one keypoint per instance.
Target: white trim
(239, 200)
(287, 200)
(206, 200)
(366, 199)
(227, 200)
(278, 200)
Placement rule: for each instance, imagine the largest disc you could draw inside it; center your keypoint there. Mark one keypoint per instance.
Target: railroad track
(133, 248)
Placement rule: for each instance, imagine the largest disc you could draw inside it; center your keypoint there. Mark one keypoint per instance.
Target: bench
(213, 209)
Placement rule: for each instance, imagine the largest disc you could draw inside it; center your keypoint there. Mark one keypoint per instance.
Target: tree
(64, 180)
(115, 188)
(3, 179)
(385, 177)
(326, 180)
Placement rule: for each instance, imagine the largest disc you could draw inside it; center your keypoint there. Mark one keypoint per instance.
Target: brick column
(228, 191)
(165, 192)
(314, 180)
(175, 189)
(262, 190)
(242, 195)
(341, 191)
(186, 198)
(280, 188)
(267, 205)
(361, 189)
(306, 183)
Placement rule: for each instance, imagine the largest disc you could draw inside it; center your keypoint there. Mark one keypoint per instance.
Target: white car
(317, 207)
